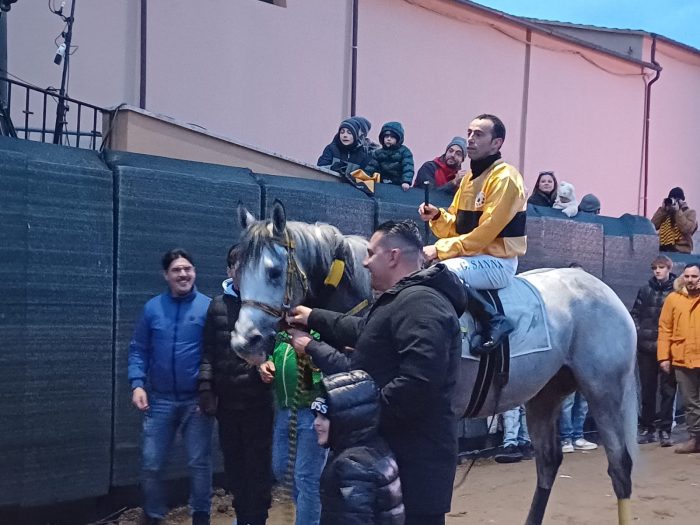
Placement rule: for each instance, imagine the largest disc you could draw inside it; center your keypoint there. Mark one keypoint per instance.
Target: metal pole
(3, 58)
(426, 200)
(61, 109)
(353, 72)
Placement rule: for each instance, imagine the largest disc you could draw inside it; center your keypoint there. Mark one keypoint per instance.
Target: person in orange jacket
(679, 346)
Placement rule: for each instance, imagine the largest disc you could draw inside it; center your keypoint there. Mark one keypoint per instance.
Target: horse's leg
(542, 418)
(614, 409)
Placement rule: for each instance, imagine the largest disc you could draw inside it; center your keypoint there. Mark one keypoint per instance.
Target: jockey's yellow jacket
(487, 216)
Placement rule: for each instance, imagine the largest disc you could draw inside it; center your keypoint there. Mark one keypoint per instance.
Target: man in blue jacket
(164, 357)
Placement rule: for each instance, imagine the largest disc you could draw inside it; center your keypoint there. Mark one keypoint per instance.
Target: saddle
(522, 304)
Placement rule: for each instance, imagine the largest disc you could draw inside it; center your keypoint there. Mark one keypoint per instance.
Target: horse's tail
(630, 406)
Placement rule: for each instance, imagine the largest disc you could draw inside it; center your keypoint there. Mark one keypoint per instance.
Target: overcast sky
(676, 19)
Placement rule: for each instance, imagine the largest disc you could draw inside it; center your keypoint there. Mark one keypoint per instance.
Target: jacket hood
(228, 287)
(363, 125)
(667, 285)
(679, 286)
(352, 399)
(439, 278)
(393, 127)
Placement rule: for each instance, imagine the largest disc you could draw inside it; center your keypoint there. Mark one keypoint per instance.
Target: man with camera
(676, 223)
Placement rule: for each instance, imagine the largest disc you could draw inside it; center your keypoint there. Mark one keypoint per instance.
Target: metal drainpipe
(3, 57)
(142, 54)
(353, 73)
(647, 119)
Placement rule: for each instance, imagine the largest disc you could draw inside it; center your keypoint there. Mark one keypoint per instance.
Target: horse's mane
(314, 246)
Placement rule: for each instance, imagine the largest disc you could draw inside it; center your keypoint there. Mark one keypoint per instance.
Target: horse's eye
(274, 274)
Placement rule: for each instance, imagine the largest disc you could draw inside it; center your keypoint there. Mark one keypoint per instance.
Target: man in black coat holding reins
(410, 343)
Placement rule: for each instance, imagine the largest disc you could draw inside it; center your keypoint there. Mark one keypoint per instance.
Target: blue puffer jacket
(165, 350)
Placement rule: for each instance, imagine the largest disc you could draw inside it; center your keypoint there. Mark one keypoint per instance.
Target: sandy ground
(666, 490)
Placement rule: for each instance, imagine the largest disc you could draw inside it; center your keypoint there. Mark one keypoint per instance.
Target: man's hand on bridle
(298, 316)
(299, 340)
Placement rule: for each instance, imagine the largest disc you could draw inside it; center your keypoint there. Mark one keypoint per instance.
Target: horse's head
(270, 283)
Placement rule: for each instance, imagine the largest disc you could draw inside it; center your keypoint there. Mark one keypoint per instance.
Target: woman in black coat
(545, 192)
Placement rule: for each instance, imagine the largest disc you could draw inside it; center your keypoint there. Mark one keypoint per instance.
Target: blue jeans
(311, 458)
(573, 416)
(161, 422)
(515, 427)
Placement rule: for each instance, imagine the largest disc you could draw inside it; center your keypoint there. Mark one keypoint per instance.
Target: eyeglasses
(179, 269)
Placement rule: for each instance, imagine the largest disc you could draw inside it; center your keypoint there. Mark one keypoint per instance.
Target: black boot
(494, 325)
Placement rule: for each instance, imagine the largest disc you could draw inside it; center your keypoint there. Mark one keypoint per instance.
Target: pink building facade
(280, 76)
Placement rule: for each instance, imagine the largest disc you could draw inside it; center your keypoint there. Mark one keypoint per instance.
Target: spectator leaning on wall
(443, 171)
(545, 191)
(676, 223)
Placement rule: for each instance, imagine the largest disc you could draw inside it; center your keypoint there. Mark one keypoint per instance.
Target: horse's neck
(317, 265)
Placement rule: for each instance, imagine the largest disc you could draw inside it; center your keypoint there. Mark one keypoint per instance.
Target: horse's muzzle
(254, 347)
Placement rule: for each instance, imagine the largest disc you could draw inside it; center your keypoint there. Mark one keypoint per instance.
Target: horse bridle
(294, 272)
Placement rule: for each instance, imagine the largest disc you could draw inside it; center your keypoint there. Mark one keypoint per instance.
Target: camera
(668, 201)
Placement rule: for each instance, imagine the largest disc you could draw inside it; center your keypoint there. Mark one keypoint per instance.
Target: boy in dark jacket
(243, 405)
(360, 482)
(646, 312)
(348, 151)
(394, 161)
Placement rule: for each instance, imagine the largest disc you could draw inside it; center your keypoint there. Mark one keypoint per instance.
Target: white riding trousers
(483, 272)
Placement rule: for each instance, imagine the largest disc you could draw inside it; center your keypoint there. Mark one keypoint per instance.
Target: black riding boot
(494, 325)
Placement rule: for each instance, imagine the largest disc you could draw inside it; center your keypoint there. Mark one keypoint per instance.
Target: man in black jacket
(243, 406)
(410, 343)
(646, 312)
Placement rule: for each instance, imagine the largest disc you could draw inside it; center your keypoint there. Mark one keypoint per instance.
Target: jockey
(482, 233)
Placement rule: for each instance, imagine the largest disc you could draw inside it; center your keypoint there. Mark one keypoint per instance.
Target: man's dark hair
(232, 255)
(173, 254)
(691, 265)
(662, 260)
(405, 231)
(499, 129)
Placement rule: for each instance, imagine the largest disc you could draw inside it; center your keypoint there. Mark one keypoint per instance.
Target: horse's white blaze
(255, 286)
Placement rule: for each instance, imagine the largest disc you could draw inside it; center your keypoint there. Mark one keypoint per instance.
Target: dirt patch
(666, 490)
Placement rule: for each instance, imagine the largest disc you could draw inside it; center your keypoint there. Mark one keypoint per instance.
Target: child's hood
(394, 127)
(353, 408)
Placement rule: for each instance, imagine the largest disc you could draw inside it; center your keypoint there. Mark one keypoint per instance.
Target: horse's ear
(279, 218)
(245, 218)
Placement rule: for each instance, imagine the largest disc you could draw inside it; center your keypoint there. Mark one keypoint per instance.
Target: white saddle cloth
(523, 306)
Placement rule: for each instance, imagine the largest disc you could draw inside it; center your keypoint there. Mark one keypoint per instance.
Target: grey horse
(592, 336)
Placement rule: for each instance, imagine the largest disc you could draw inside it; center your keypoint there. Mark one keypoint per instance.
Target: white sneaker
(584, 444)
(567, 446)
